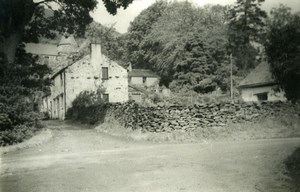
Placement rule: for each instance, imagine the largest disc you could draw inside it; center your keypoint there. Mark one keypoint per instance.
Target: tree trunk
(9, 46)
(16, 15)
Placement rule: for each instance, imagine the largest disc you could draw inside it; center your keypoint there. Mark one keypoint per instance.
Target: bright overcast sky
(124, 17)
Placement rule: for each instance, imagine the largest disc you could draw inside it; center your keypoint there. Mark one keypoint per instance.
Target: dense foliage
(246, 25)
(138, 30)
(283, 50)
(184, 44)
(88, 107)
(22, 82)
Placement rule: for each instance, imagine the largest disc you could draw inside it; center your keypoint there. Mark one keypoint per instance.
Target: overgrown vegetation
(187, 52)
(190, 47)
(88, 107)
(283, 49)
(22, 84)
(246, 27)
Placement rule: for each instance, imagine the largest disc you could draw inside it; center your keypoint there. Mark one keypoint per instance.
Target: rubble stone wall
(170, 118)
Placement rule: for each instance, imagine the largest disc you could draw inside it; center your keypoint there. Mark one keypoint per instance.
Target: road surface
(78, 159)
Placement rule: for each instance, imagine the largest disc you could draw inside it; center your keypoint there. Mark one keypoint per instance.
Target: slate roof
(41, 49)
(65, 64)
(141, 73)
(260, 76)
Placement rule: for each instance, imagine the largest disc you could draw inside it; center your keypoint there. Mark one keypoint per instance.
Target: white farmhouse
(71, 76)
(260, 85)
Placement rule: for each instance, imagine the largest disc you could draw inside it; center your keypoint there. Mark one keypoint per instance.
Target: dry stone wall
(162, 118)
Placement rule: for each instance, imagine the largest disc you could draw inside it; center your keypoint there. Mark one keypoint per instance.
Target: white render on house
(255, 94)
(91, 72)
(142, 77)
(260, 85)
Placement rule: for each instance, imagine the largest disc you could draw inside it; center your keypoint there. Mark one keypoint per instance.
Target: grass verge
(272, 127)
(292, 164)
(39, 138)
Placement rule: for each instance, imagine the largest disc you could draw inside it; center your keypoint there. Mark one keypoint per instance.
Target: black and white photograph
(149, 95)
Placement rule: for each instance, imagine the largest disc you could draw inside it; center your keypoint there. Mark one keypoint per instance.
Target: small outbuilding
(260, 85)
(142, 77)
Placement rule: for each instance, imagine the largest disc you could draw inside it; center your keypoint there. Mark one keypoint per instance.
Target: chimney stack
(129, 68)
(96, 55)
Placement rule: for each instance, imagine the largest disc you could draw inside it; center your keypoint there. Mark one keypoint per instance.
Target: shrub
(22, 84)
(5, 122)
(16, 135)
(88, 107)
(17, 122)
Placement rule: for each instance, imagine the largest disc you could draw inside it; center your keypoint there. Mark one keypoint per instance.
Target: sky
(123, 18)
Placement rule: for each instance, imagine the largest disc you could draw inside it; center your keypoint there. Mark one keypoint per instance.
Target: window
(46, 60)
(144, 79)
(262, 96)
(106, 97)
(104, 73)
(61, 79)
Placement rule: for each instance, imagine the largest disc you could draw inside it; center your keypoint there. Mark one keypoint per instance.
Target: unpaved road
(82, 160)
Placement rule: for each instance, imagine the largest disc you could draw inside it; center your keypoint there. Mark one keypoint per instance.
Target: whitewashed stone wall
(250, 94)
(86, 75)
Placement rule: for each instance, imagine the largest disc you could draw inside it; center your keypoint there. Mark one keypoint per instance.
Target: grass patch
(272, 127)
(115, 129)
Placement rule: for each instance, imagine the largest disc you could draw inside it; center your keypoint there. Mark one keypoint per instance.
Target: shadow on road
(292, 164)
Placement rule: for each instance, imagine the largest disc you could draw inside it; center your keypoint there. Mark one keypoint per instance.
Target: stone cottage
(143, 77)
(73, 73)
(260, 85)
(140, 82)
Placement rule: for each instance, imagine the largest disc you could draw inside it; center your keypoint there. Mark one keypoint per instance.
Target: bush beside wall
(18, 122)
(88, 107)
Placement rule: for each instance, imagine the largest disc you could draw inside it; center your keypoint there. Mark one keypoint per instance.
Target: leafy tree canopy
(183, 43)
(283, 49)
(25, 20)
(246, 24)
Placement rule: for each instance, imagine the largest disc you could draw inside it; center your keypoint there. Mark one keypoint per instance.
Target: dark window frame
(46, 60)
(104, 73)
(262, 96)
(105, 97)
(61, 79)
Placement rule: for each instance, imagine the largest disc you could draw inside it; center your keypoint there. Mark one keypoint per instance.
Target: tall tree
(185, 42)
(138, 30)
(283, 50)
(26, 20)
(111, 40)
(246, 25)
